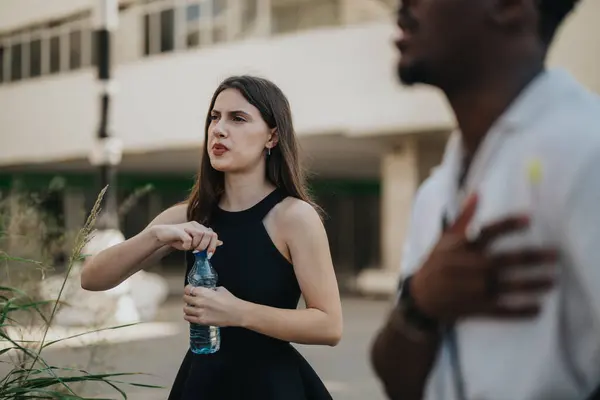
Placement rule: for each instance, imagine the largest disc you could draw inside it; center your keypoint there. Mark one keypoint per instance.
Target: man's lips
(407, 26)
(401, 42)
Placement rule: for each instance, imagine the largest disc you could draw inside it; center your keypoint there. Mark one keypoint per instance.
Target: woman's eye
(214, 117)
(238, 119)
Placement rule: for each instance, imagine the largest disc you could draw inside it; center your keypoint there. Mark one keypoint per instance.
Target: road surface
(157, 349)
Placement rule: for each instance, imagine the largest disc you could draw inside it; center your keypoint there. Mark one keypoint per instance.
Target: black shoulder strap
(267, 204)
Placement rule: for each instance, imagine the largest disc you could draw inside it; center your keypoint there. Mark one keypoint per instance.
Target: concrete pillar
(345, 238)
(264, 18)
(399, 182)
(400, 177)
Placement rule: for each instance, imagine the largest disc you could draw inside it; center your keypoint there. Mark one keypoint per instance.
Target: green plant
(29, 375)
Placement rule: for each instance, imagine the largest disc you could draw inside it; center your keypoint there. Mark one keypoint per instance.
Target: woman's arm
(112, 266)
(321, 321)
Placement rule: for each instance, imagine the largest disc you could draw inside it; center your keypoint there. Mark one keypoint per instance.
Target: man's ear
(512, 15)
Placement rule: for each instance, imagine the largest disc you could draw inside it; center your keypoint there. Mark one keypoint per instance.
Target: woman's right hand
(187, 236)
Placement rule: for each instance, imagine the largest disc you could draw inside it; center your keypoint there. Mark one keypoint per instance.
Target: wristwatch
(411, 313)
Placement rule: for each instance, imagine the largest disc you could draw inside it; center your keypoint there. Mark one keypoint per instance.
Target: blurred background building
(367, 141)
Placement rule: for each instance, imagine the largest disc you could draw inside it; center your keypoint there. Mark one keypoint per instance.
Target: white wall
(18, 13)
(338, 80)
(15, 14)
(577, 47)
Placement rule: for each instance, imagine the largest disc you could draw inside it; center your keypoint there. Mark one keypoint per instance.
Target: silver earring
(269, 151)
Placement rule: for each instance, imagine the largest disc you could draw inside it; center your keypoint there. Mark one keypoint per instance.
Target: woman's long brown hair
(283, 167)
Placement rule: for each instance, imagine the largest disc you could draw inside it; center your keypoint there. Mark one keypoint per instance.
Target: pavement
(157, 349)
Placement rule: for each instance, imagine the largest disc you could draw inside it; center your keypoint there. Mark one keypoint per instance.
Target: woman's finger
(212, 246)
(186, 240)
(196, 233)
(197, 239)
(203, 244)
(192, 300)
(194, 311)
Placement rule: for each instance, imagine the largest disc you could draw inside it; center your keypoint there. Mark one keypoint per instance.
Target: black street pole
(107, 154)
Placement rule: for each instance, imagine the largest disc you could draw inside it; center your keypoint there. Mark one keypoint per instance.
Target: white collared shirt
(553, 128)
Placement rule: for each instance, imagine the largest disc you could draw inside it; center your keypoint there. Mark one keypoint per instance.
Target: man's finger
(504, 226)
(525, 311)
(524, 257)
(525, 285)
(464, 219)
(495, 310)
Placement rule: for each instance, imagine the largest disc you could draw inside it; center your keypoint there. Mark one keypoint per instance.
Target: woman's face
(237, 135)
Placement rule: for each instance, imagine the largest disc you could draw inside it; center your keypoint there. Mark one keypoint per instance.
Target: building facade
(367, 141)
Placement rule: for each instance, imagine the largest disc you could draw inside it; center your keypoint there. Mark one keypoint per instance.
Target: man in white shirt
(500, 297)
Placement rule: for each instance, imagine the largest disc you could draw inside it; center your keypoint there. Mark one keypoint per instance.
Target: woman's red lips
(219, 149)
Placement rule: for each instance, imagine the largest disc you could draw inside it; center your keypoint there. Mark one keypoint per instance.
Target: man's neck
(479, 104)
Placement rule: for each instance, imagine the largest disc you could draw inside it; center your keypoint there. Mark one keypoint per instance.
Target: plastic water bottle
(203, 339)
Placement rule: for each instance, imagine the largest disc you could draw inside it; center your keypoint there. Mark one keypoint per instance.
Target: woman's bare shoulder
(294, 213)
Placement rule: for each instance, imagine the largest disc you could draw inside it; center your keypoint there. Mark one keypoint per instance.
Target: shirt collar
(543, 91)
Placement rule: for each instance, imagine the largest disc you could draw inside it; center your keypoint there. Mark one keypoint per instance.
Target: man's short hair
(552, 14)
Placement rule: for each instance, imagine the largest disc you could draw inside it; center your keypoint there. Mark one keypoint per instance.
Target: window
(147, 34)
(54, 54)
(87, 51)
(46, 48)
(192, 18)
(35, 58)
(220, 33)
(219, 6)
(167, 30)
(94, 47)
(75, 50)
(220, 21)
(192, 12)
(1, 63)
(69, 43)
(305, 14)
(198, 22)
(16, 54)
(159, 32)
(249, 14)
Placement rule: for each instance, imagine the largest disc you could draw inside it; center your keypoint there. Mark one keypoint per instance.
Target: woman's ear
(274, 138)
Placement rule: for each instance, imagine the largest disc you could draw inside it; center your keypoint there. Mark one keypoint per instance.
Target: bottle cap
(200, 253)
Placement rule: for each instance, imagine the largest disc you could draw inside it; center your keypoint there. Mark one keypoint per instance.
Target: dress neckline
(256, 212)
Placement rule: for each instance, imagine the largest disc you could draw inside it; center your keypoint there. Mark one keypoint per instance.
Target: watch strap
(411, 311)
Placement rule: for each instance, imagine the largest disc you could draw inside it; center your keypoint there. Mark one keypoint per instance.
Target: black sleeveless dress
(249, 365)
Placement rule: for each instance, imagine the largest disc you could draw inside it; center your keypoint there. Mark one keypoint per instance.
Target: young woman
(250, 210)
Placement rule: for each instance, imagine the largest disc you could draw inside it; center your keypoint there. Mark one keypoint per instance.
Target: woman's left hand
(212, 307)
